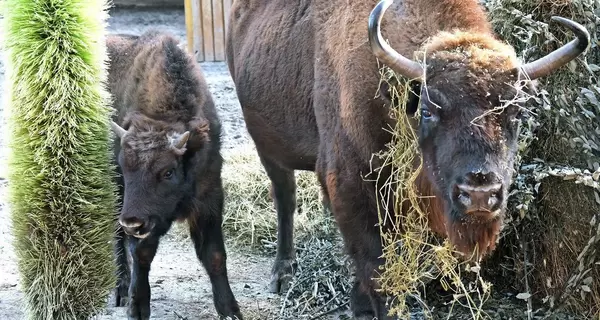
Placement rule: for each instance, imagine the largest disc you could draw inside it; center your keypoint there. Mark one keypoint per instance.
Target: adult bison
(168, 150)
(307, 78)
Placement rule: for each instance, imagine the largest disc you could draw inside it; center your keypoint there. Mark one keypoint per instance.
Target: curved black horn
(383, 51)
(561, 56)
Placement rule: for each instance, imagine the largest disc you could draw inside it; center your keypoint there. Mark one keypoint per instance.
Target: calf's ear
(199, 133)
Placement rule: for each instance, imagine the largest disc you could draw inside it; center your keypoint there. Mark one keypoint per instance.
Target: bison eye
(426, 114)
(169, 174)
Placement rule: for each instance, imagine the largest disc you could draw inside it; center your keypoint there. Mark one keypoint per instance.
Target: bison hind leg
(283, 189)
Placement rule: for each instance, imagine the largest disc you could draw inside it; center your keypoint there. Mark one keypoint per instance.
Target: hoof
(121, 297)
(138, 312)
(281, 275)
(236, 316)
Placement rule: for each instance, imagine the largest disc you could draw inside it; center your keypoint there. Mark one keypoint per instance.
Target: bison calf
(168, 154)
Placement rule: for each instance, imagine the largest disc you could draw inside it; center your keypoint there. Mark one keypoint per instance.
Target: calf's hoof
(281, 275)
(137, 311)
(235, 316)
(121, 297)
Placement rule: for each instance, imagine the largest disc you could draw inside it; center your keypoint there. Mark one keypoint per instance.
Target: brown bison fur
(308, 83)
(168, 152)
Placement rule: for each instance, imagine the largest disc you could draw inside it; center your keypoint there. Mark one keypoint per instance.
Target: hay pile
(250, 219)
(550, 250)
(323, 280)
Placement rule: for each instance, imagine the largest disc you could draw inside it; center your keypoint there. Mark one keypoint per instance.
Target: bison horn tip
(119, 131)
(180, 142)
(561, 56)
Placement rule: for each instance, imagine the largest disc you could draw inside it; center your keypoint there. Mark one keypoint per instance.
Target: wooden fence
(206, 23)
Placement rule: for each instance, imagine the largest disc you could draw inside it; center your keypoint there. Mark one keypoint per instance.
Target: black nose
(479, 193)
(134, 226)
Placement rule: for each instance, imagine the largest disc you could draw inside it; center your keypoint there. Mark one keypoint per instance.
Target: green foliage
(62, 198)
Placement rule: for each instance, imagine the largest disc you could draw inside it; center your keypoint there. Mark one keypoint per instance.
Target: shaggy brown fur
(159, 94)
(307, 83)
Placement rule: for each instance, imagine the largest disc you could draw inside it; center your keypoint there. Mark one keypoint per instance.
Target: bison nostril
(493, 200)
(464, 198)
(131, 223)
(479, 198)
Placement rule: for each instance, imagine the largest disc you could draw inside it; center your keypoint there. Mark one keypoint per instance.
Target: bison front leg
(123, 271)
(207, 235)
(283, 183)
(142, 253)
(356, 215)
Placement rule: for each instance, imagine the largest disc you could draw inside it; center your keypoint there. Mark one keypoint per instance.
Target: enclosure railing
(206, 24)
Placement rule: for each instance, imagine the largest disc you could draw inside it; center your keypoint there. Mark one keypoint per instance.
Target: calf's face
(155, 178)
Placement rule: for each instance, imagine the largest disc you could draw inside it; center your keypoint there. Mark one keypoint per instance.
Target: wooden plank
(226, 12)
(194, 28)
(218, 32)
(207, 30)
(189, 25)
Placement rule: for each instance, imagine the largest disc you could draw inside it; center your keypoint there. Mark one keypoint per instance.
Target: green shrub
(62, 195)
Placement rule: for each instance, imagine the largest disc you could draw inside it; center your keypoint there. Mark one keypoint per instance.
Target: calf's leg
(207, 235)
(283, 184)
(123, 271)
(142, 252)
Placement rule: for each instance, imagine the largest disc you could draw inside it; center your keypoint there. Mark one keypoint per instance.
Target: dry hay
(550, 247)
(250, 219)
(322, 282)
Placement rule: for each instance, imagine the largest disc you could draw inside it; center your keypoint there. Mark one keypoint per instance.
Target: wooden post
(194, 28)
(226, 11)
(206, 26)
(218, 32)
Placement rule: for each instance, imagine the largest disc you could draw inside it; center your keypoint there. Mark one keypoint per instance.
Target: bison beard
(473, 237)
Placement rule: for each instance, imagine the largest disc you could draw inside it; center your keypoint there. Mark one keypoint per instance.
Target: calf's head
(469, 98)
(154, 159)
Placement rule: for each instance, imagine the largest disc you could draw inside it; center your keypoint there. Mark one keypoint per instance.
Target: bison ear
(199, 133)
(384, 91)
(412, 104)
